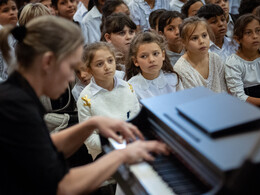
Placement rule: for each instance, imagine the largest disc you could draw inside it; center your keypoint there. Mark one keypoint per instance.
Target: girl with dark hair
(243, 68)
(148, 67)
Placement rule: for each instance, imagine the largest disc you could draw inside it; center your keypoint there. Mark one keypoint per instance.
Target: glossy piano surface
(199, 163)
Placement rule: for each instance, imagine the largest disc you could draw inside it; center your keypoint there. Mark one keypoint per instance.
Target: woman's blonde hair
(40, 35)
(32, 10)
(189, 25)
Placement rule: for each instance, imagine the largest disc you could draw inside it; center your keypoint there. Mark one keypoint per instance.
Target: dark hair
(144, 38)
(185, 8)
(2, 2)
(116, 23)
(241, 23)
(166, 18)
(257, 11)
(209, 11)
(247, 6)
(109, 8)
(54, 3)
(154, 16)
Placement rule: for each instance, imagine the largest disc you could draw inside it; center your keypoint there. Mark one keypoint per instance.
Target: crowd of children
(138, 49)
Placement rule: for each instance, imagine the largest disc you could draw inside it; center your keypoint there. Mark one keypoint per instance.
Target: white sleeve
(233, 74)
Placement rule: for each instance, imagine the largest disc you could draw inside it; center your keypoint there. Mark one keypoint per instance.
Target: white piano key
(150, 180)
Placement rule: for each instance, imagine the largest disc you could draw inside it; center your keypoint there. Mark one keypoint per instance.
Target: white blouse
(164, 83)
(241, 74)
(192, 78)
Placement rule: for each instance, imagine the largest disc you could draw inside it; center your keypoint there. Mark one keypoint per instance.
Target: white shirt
(176, 5)
(80, 13)
(241, 74)
(192, 78)
(140, 11)
(233, 6)
(120, 103)
(164, 83)
(77, 89)
(174, 56)
(230, 27)
(92, 22)
(228, 48)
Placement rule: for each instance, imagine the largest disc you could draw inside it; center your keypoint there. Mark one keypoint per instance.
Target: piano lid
(226, 152)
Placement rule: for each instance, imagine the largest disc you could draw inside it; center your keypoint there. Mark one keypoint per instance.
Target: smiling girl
(106, 95)
(242, 69)
(148, 67)
(198, 67)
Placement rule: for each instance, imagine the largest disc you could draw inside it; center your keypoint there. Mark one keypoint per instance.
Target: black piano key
(177, 176)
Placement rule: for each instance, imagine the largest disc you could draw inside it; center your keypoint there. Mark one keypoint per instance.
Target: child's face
(150, 59)
(103, 66)
(172, 32)
(8, 13)
(198, 42)
(121, 40)
(224, 4)
(67, 8)
(194, 8)
(251, 37)
(218, 25)
(122, 8)
(83, 75)
(48, 4)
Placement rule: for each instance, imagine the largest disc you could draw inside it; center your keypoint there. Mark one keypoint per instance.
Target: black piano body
(199, 163)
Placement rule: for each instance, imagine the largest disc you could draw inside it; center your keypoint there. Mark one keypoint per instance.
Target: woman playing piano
(32, 161)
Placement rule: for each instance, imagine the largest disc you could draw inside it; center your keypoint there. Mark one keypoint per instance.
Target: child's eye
(14, 8)
(5, 10)
(170, 29)
(156, 53)
(131, 32)
(194, 38)
(121, 33)
(110, 61)
(248, 32)
(143, 56)
(204, 35)
(257, 31)
(99, 64)
(213, 22)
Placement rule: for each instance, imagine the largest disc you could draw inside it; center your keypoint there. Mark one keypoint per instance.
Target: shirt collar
(159, 82)
(226, 41)
(95, 12)
(95, 89)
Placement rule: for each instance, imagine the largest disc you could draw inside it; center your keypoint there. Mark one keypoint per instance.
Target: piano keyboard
(166, 176)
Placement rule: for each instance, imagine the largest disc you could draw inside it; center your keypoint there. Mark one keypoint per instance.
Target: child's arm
(253, 100)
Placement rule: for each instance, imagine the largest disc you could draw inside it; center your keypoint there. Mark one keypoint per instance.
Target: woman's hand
(109, 127)
(141, 150)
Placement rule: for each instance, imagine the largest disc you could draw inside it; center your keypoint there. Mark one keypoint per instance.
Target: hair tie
(19, 33)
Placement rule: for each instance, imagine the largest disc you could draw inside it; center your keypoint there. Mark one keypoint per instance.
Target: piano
(200, 163)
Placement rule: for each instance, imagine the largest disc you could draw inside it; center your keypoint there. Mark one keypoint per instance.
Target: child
(191, 7)
(169, 23)
(154, 18)
(31, 11)
(105, 91)
(48, 4)
(242, 69)
(83, 79)
(65, 8)
(230, 18)
(216, 19)
(198, 67)
(119, 30)
(148, 67)
(8, 12)
(8, 15)
(141, 9)
(92, 21)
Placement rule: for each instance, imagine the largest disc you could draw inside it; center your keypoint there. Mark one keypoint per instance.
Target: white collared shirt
(80, 13)
(164, 83)
(241, 74)
(140, 11)
(92, 22)
(176, 5)
(230, 27)
(174, 56)
(228, 48)
(120, 103)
